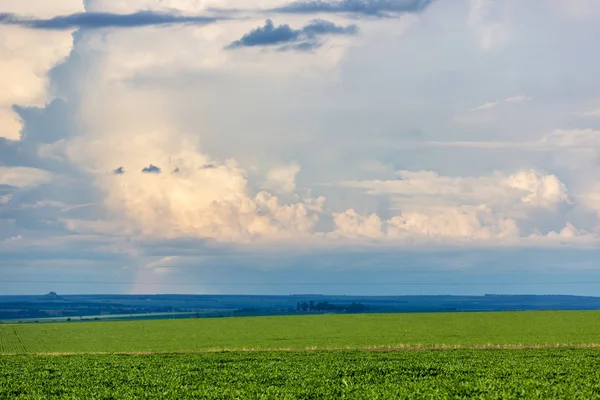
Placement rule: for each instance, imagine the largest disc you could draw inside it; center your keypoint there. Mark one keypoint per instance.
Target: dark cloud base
(152, 169)
(378, 8)
(104, 20)
(304, 39)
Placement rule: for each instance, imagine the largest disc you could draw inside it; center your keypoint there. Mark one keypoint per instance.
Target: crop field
(302, 332)
(485, 374)
(457, 355)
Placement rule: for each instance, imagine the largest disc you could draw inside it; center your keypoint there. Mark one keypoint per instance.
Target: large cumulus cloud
(158, 172)
(26, 57)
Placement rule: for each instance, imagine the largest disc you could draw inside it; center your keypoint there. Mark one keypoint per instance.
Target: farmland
(539, 373)
(439, 355)
(301, 332)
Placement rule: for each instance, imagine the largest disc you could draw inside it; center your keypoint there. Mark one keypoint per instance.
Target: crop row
(528, 373)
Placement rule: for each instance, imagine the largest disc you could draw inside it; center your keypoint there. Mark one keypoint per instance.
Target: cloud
(26, 57)
(57, 204)
(569, 231)
(141, 96)
(124, 126)
(377, 8)
(152, 169)
(212, 203)
(425, 204)
(41, 8)
(453, 223)
(23, 177)
(97, 227)
(351, 224)
(163, 95)
(576, 138)
(484, 113)
(294, 39)
(577, 9)
(129, 115)
(537, 189)
(590, 113)
(508, 100)
(471, 223)
(89, 20)
(427, 188)
(485, 20)
(557, 140)
(10, 124)
(5, 199)
(282, 179)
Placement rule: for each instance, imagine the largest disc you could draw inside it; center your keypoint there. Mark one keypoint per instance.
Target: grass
(306, 332)
(456, 374)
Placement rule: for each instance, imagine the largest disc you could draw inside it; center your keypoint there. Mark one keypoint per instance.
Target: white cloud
(441, 223)
(591, 199)
(538, 190)
(41, 8)
(57, 204)
(492, 104)
(423, 188)
(282, 179)
(470, 223)
(160, 52)
(52, 151)
(10, 124)
(568, 235)
(557, 140)
(575, 138)
(189, 6)
(569, 231)
(193, 195)
(490, 30)
(26, 57)
(577, 9)
(239, 124)
(463, 208)
(517, 99)
(97, 227)
(23, 177)
(136, 90)
(486, 112)
(132, 124)
(5, 199)
(352, 225)
(590, 113)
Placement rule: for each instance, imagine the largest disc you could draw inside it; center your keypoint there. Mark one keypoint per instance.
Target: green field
(483, 374)
(203, 358)
(301, 332)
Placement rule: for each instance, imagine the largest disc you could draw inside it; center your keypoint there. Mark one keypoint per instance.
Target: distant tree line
(325, 306)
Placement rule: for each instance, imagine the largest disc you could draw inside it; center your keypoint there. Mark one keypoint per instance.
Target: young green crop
(457, 374)
(301, 332)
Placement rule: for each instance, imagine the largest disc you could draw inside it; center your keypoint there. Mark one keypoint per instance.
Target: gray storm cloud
(306, 38)
(91, 20)
(377, 8)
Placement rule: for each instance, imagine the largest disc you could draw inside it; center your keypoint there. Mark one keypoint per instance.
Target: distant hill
(52, 296)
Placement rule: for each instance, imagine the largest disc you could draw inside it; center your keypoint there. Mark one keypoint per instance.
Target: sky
(376, 147)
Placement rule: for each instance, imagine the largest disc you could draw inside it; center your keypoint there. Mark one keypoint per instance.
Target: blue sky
(345, 147)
